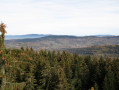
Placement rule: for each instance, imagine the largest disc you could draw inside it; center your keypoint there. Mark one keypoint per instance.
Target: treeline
(106, 50)
(26, 69)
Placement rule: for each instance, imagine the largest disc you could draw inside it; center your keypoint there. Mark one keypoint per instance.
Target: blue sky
(60, 17)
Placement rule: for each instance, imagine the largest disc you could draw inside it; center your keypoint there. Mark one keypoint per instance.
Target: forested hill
(109, 50)
(61, 42)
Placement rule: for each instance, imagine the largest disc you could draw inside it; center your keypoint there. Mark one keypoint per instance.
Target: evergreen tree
(84, 74)
(109, 81)
(95, 86)
(102, 72)
(2, 54)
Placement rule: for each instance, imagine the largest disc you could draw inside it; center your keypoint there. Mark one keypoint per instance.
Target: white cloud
(76, 17)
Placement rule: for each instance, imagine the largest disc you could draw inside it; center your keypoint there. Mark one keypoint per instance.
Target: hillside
(62, 42)
(109, 50)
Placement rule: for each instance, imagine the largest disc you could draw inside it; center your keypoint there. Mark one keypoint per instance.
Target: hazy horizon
(59, 17)
(63, 35)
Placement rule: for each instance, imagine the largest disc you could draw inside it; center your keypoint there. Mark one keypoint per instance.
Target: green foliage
(50, 70)
(109, 81)
(95, 86)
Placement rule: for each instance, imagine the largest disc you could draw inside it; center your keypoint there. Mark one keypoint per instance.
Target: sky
(60, 17)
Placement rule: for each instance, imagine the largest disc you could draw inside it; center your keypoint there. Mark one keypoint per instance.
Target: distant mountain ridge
(102, 35)
(54, 42)
(10, 37)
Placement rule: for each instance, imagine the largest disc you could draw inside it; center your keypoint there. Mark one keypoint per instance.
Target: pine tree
(95, 86)
(102, 72)
(2, 54)
(115, 69)
(2, 36)
(84, 74)
(109, 81)
(94, 71)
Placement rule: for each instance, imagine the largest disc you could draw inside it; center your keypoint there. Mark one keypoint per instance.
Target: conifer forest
(27, 69)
